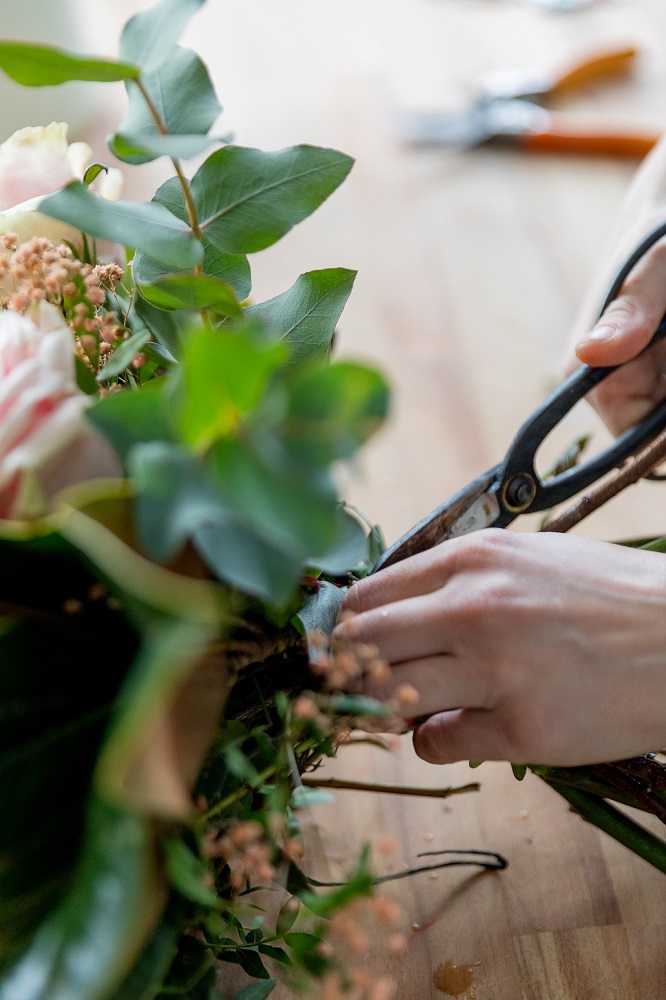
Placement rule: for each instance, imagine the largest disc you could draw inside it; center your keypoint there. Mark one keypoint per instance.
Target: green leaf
(257, 991)
(224, 377)
(277, 954)
(333, 410)
(519, 771)
(91, 940)
(150, 35)
(123, 356)
(143, 225)
(356, 704)
(250, 962)
(248, 199)
(233, 268)
(193, 292)
(306, 314)
(138, 147)
(129, 418)
(183, 97)
(287, 916)
(85, 379)
(34, 65)
(187, 873)
(168, 328)
(348, 551)
(320, 610)
(286, 507)
(93, 172)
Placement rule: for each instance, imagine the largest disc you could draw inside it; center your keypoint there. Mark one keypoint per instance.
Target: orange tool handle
(615, 62)
(562, 139)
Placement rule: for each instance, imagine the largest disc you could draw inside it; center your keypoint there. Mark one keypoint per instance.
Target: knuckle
(483, 548)
(524, 732)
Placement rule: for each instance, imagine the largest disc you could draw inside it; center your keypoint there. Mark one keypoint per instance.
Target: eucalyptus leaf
(130, 418)
(193, 292)
(139, 147)
(123, 356)
(303, 798)
(306, 314)
(355, 704)
(150, 35)
(348, 550)
(223, 378)
(182, 96)
(144, 225)
(35, 65)
(320, 611)
(333, 410)
(248, 199)
(232, 268)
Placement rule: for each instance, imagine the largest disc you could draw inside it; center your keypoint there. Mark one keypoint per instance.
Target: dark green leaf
(193, 292)
(224, 377)
(143, 225)
(168, 328)
(85, 378)
(150, 35)
(277, 954)
(36, 65)
(123, 356)
(241, 766)
(257, 991)
(183, 97)
(93, 172)
(519, 771)
(348, 551)
(333, 410)
(297, 883)
(248, 199)
(320, 610)
(103, 920)
(306, 314)
(187, 873)
(251, 963)
(233, 268)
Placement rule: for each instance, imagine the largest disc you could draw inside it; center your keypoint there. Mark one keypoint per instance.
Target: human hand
(629, 322)
(536, 648)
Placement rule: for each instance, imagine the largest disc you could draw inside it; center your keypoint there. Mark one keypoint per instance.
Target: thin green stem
(609, 819)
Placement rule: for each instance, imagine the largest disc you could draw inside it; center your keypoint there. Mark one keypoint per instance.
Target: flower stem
(361, 786)
(614, 823)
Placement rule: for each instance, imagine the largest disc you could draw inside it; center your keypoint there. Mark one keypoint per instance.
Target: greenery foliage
(145, 610)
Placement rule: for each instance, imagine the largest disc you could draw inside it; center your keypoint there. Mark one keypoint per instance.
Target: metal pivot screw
(519, 492)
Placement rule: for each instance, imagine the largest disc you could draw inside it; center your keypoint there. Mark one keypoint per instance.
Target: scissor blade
(471, 509)
(488, 119)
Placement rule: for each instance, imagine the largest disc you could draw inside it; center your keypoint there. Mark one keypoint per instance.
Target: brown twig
(361, 786)
(633, 469)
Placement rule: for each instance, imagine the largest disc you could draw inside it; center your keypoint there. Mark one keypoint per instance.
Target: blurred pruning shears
(513, 487)
(508, 107)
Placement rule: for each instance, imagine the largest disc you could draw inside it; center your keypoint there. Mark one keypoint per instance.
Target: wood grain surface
(471, 268)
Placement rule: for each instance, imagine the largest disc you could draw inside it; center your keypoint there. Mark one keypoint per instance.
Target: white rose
(35, 162)
(45, 441)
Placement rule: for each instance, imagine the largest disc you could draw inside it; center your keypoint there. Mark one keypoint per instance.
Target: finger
(462, 734)
(629, 394)
(405, 630)
(413, 577)
(629, 322)
(429, 685)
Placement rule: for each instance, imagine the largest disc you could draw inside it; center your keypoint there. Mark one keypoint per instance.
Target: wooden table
(471, 267)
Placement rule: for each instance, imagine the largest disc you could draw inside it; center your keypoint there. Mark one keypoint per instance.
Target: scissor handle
(614, 62)
(521, 490)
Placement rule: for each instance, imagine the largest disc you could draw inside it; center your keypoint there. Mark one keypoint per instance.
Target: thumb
(629, 322)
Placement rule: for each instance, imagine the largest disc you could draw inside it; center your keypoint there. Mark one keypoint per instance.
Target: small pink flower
(45, 442)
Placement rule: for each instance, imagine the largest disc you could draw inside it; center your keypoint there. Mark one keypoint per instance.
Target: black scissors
(513, 487)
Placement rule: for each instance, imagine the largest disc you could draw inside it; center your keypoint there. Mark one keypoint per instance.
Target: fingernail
(601, 333)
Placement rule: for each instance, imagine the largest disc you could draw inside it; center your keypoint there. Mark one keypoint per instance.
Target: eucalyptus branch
(634, 468)
(362, 786)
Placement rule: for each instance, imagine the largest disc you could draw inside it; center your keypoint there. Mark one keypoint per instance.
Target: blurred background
(472, 266)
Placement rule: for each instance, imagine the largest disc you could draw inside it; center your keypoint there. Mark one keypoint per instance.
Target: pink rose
(45, 442)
